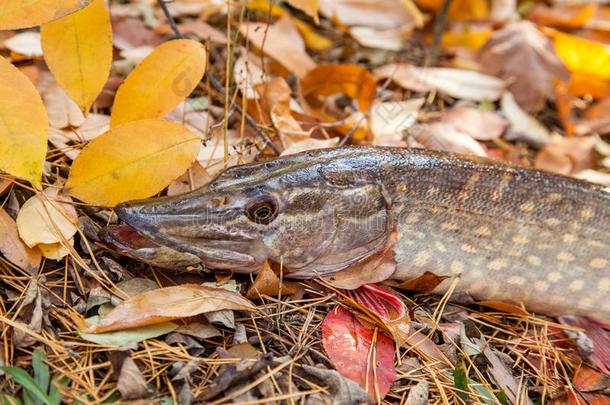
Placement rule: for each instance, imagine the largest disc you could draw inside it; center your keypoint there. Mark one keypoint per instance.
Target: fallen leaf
(523, 127)
(13, 248)
(445, 137)
(164, 304)
(594, 176)
(391, 40)
(248, 74)
(158, 84)
(480, 124)
(583, 57)
(458, 83)
(116, 166)
(313, 40)
(131, 383)
(588, 379)
(389, 120)
(309, 7)
(268, 283)
(361, 354)
(504, 307)
(326, 80)
(203, 31)
(192, 115)
(419, 394)
(48, 219)
(596, 118)
(342, 390)
(386, 15)
(524, 57)
(566, 155)
(26, 43)
(424, 283)
(199, 330)
(128, 337)
(78, 51)
(282, 42)
(62, 111)
(195, 177)
(16, 14)
(71, 140)
(131, 33)
(23, 135)
(310, 144)
(566, 16)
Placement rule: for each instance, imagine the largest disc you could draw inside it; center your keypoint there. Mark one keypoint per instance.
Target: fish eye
(262, 212)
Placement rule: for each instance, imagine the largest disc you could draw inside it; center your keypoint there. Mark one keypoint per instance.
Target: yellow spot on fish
(440, 247)
(456, 267)
(576, 285)
(499, 191)
(527, 206)
(565, 257)
(586, 213)
(534, 260)
(483, 231)
(472, 181)
(598, 263)
(422, 258)
(521, 239)
(432, 190)
(568, 238)
(604, 285)
(497, 264)
(449, 226)
(516, 280)
(469, 248)
(552, 221)
(553, 197)
(412, 218)
(401, 188)
(585, 303)
(554, 277)
(541, 286)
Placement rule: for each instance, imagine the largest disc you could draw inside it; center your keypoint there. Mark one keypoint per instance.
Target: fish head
(301, 213)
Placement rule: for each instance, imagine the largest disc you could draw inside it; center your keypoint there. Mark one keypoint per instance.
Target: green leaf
(54, 393)
(503, 398)
(6, 399)
(41, 369)
(27, 382)
(460, 380)
(483, 393)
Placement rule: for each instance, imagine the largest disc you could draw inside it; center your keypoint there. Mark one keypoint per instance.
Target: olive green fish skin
(504, 233)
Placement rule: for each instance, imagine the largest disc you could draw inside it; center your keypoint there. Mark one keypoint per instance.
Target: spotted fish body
(505, 233)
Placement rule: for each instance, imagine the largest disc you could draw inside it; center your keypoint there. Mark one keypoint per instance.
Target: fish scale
(504, 233)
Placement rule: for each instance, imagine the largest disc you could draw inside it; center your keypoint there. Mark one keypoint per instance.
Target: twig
(439, 27)
(219, 88)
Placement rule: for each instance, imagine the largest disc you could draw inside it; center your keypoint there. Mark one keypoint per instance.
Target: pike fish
(497, 232)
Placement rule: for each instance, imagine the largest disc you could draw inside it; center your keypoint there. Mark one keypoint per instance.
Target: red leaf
(359, 353)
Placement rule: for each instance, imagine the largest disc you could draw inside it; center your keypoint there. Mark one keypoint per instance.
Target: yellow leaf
(16, 14)
(582, 56)
(78, 51)
(309, 7)
(312, 39)
(158, 84)
(23, 133)
(132, 161)
(47, 220)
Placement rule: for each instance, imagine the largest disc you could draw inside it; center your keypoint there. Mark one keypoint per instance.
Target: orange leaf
(268, 283)
(424, 283)
(169, 303)
(567, 16)
(13, 248)
(358, 352)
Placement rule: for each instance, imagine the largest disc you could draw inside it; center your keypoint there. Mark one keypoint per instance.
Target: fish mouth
(174, 225)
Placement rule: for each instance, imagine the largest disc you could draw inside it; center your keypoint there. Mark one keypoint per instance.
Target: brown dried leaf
(389, 120)
(445, 137)
(13, 248)
(424, 283)
(524, 57)
(480, 124)
(566, 155)
(268, 283)
(169, 303)
(282, 42)
(131, 383)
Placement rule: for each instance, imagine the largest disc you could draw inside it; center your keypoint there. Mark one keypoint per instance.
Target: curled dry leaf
(116, 166)
(445, 137)
(386, 15)
(326, 80)
(78, 51)
(282, 42)
(62, 111)
(360, 353)
(480, 124)
(131, 383)
(158, 84)
(16, 14)
(459, 83)
(566, 155)
(523, 127)
(268, 283)
(26, 43)
(23, 135)
(169, 303)
(48, 221)
(13, 248)
(389, 120)
(524, 57)
(71, 140)
(248, 74)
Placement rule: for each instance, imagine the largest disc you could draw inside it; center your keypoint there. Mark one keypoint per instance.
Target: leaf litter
(303, 74)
